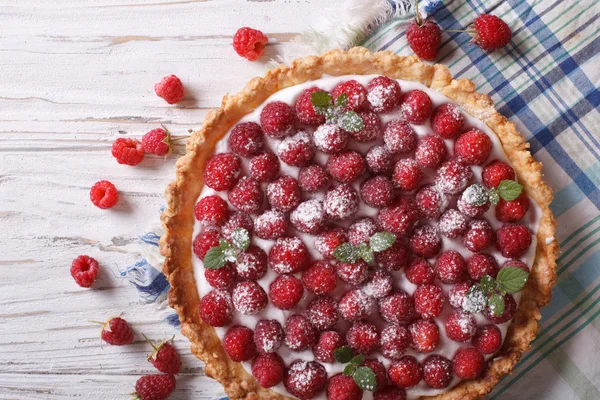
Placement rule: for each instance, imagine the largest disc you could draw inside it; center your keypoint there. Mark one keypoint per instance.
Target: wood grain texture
(74, 75)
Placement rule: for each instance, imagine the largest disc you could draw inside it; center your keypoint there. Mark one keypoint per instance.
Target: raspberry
(252, 263)
(429, 301)
(379, 285)
(305, 110)
(430, 152)
(249, 43)
(305, 379)
(480, 265)
(170, 88)
(399, 137)
(395, 258)
(390, 393)
(461, 326)
(246, 139)
(249, 298)
(343, 387)
(326, 345)
(296, 150)
(425, 335)
(320, 278)
(270, 225)
(371, 129)
(216, 308)
(84, 270)
(478, 236)
(268, 369)
(288, 255)
(512, 211)
(268, 336)
(437, 371)
(453, 177)
(406, 372)
(496, 172)
(165, 357)
(473, 147)
(357, 94)
(450, 267)
(492, 32)
(330, 138)
(128, 151)
(326, 242)
(322, 313)
(468, 363)
(452, 224)
(238, 343)
(299, 333)
(204, 242)
(277, 119)
(212, 210)
(407, 174)
(222, 171)
(286, 291)
(400, 218)
(341, 202)
(424, 38)
(395, 340)
(157, 142)
(264, 167)
(378, 369)
(363, 337)
(431, 202)
(312, 178)
(416, 107)
(361, 231)
(309, 216)
(222, 278)
(379, 160)
(383, 93)
(346, 166)
(155, 387)
(487, 339)
(510, 309)
(420, 271)
(353, 274)
(284, 193)
(447, 121)
(513, 240)
(516, 264)
(104, 194)
(425, 241)
(470, 210)
(355, 305)
(457, 294)
(377, 191)
(235, 221)
(397, 308)
(246, 195)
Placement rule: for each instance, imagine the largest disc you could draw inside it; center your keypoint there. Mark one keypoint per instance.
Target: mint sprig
(216, 257)
(362, 375)
(349, 254)
(335, 111)
(507, 190)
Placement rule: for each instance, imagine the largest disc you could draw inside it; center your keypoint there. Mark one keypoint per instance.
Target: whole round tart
(358, 225)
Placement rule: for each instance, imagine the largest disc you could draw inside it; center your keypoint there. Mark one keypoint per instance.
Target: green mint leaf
(509, 190)
(230, 254)
(321, 101)
(215, 258)
(493, 195)
(240, 238)
(343, 354)
(475, 300)
(351, 122)
(341, 101)
(347, 253)
(475, 195)
(356, 360)
(224, 244)
(496, 304)
(382, 241)
(366, 253)
(365, 378)
(511, 280)
(349, 369)
(488, 284)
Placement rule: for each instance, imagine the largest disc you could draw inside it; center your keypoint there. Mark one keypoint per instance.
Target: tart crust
(181, 195)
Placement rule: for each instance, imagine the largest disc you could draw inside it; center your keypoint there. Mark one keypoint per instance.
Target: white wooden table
(75, 75)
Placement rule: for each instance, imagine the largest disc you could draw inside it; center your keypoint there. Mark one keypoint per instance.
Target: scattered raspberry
(431, 151)
(452, 224)
(222, 278)
(357, 94)
(326, 345)
(270, 225)
(309, 216)
(407, 174)
(268, 336)
(288, 255)
(268, 369)
(170, 88)
(397, 308)
(450, 267)
(425, 39)
(429, 301)
(155, 387)
(420, 272)
(425, 335)
(104, 194)
(361, 231)
(249, 43)
(447, 121)
(341, 202)
(157, 142)
(378, 369)
(379, 285)
(473, 147)
(238, 343)
(461, 326)
(299, 333)
(453, 177)
(399, 137)
(353, 274)
(400, 218)
(277, 119)
(222, 171)
(516, 264)
(395, 340)
(355, 305)
(377, 191)
(470, 210)
(512, 211)
(363, 337)
(246, 139)
(371, 130)
(513, 240)
(84, 270)
(128, 151)
(416, 107)
(212, 210)
(468, 363)
(252, 263)
(478, 236)
(346, 166)
(322, 313)
(379, 160)
(395, 258)
(305, 379)
(246, 195)
(431, 202)
(492, 32)
(457, 294)
(496, 172)
(326, 242)
(390, 393)
(384, 94)
(343, 387)
(425, 241)
(264, 167)
(330, 138)
(296, 150)
(437, 371)
(487, 339)
(510, 309)
(235, 221)
(320, 278)
(312, 178)
(249, 298)
(116, 331)
(406, 372)
(286, 291)
(284, 193)
(165, 357)
(305, 110)
(482, 264)
(204, 242)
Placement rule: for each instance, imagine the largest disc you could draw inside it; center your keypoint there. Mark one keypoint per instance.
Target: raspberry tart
(358, 225)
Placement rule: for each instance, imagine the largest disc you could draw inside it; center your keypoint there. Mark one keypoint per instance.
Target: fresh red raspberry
(471, 210)
(399, 137)
(371, 129)
(222, 171)
(128, 151)
(452, 224)
(496, 172)
(353, 274)
(222, 278)
(513, 240)
(420, 271)
(296, 150)
(330, 138)
(356, 305)
(84, 270)
(461, 326)
(357, 94)
(379, 160)
(390, 393)
(377, 191)
(473, 147)
(284, 193)
(468, 363)
(204, 242)
(478, 236)
(288, 255)
(400, 218)
(482, 264)
(326, 345)
(170, 88)
(425, 241)
(305, 379)
(379, 285)
(277, 119)
(361, 231)
(252, 263)
(510, 309)
(104, 194)
(416, 107)
(424, 39)
(395, 339)
(238, 343)
(437, 371)
(246, 195)
(378, 369)
(249, 298)
(395, 258)
(431, 202)
(407, 174)
(312, 178)
(249, 43)
(457, 294)
(216, 308)
(212, 210)
(305, 110)
(341, 202)
(299, 333)
(406, 372)
(425, 335)
(286, 291)
(384, 94)
(270, 225)
(516, 264)
(320, 278)
(450, 267)
(268, 336)
(430, 152)
(235, 221)
(363, 337)
(343, 387)
(322, 313)
(246, 139)
(155, 387)
(397, 308)
(309, 216)
(346, 166)
(429, 301)
(268, 369)
(157, 142)
(165, 357)
(327, 241)
(512, 211)
(487, 339)
(492, 32)
(264, 167)
(453, 177)
(447, 121)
